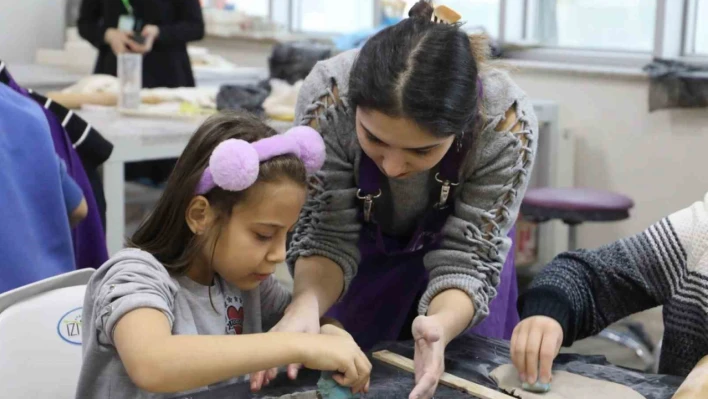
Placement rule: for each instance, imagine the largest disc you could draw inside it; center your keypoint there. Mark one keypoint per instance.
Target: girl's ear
(199, 215)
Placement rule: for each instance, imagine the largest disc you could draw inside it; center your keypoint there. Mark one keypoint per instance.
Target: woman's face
(398, 146)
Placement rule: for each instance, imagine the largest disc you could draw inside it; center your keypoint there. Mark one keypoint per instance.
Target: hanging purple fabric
(89, 237)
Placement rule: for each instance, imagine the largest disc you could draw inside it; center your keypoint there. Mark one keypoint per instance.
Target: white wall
(660, 159)
(28, 25)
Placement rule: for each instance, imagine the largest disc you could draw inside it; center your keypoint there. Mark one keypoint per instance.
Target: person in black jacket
(166, 27)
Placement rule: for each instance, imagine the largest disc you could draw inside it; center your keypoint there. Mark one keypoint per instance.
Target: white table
(135, 139)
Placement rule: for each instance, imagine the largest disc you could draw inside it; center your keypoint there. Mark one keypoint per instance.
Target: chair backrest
(40, 337)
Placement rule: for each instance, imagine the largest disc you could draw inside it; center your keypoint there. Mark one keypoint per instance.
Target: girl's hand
(429, 356)
(335, 350)
(535, 342)
(301, 316)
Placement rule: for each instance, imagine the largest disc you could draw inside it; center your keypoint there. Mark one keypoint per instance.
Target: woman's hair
(165, 233)
(421, 70)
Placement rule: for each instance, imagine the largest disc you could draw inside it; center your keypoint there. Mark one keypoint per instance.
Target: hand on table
(429, 358)
(535, 342)
(301, 316)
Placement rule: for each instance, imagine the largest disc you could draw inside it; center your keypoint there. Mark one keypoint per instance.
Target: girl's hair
(165, 233)
(422, 70)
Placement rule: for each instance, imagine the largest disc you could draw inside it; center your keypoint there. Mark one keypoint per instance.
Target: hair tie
(234, 163)
(445, 15)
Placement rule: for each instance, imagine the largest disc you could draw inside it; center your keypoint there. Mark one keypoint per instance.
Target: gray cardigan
(495, 175)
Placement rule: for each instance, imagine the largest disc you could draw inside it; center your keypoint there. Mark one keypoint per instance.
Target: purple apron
(383, 297)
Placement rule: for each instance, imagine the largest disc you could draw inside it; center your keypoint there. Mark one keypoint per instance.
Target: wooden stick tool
(447, 379)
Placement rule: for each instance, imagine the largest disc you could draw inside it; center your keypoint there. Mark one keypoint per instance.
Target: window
(258, 8)
(477, 15)
(329, 16)
(592, 24)
(250, 7)
(702, 27)
(617, 32)
(697, 28)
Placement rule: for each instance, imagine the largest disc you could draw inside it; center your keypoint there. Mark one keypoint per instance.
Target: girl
(428, 156)
(582, 292)
(185, 305)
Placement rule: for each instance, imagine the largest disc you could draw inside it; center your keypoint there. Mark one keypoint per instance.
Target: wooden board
(449, 380)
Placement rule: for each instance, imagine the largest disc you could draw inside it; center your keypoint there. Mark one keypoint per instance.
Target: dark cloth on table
(470, 357)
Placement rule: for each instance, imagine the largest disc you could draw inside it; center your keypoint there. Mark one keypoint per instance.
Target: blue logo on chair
(69, 327)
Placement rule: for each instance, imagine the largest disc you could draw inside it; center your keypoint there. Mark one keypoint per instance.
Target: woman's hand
(429, 356)
(149, 34)
(120, 41)
(535, 342)
(301, 316)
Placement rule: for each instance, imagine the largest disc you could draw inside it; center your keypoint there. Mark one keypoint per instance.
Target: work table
(470, 357)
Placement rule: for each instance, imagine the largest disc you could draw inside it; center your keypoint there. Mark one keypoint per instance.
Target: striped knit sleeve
(587, 290)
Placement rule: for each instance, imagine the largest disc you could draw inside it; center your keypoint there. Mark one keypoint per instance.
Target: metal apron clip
(444, 190)
(368, 203)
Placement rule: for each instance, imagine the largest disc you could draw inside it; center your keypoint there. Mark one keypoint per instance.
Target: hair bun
(422, 9)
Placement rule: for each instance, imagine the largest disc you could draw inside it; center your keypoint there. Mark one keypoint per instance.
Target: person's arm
(188, 27)
(475, 242)
(133, 312)
(582, 292)
(274, 300)
(324, 256)
(587, 290)
(158, 361)
(74, 201)
(695, 386)
(90, 23)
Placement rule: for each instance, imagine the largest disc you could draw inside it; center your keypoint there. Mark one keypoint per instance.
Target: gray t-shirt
(134, 279)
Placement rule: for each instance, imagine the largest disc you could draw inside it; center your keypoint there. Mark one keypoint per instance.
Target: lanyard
(128, 7)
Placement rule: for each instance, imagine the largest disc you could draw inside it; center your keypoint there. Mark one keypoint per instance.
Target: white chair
(40, 337)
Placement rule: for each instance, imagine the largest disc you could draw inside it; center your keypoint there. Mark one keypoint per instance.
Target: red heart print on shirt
(234, 323)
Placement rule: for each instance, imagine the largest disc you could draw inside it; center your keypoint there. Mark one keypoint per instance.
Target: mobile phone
(137, 33)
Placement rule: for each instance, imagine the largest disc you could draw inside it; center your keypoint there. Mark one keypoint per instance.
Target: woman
(408, 227)
(166, 27)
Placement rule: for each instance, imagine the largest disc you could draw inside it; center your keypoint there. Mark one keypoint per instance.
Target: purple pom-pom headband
(234, 164)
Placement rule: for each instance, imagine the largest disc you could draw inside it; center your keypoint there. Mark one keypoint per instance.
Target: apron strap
(449, 173)
(369, 184)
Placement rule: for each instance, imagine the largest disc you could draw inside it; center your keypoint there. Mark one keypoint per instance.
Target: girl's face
(398, 146)
(252, 242)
